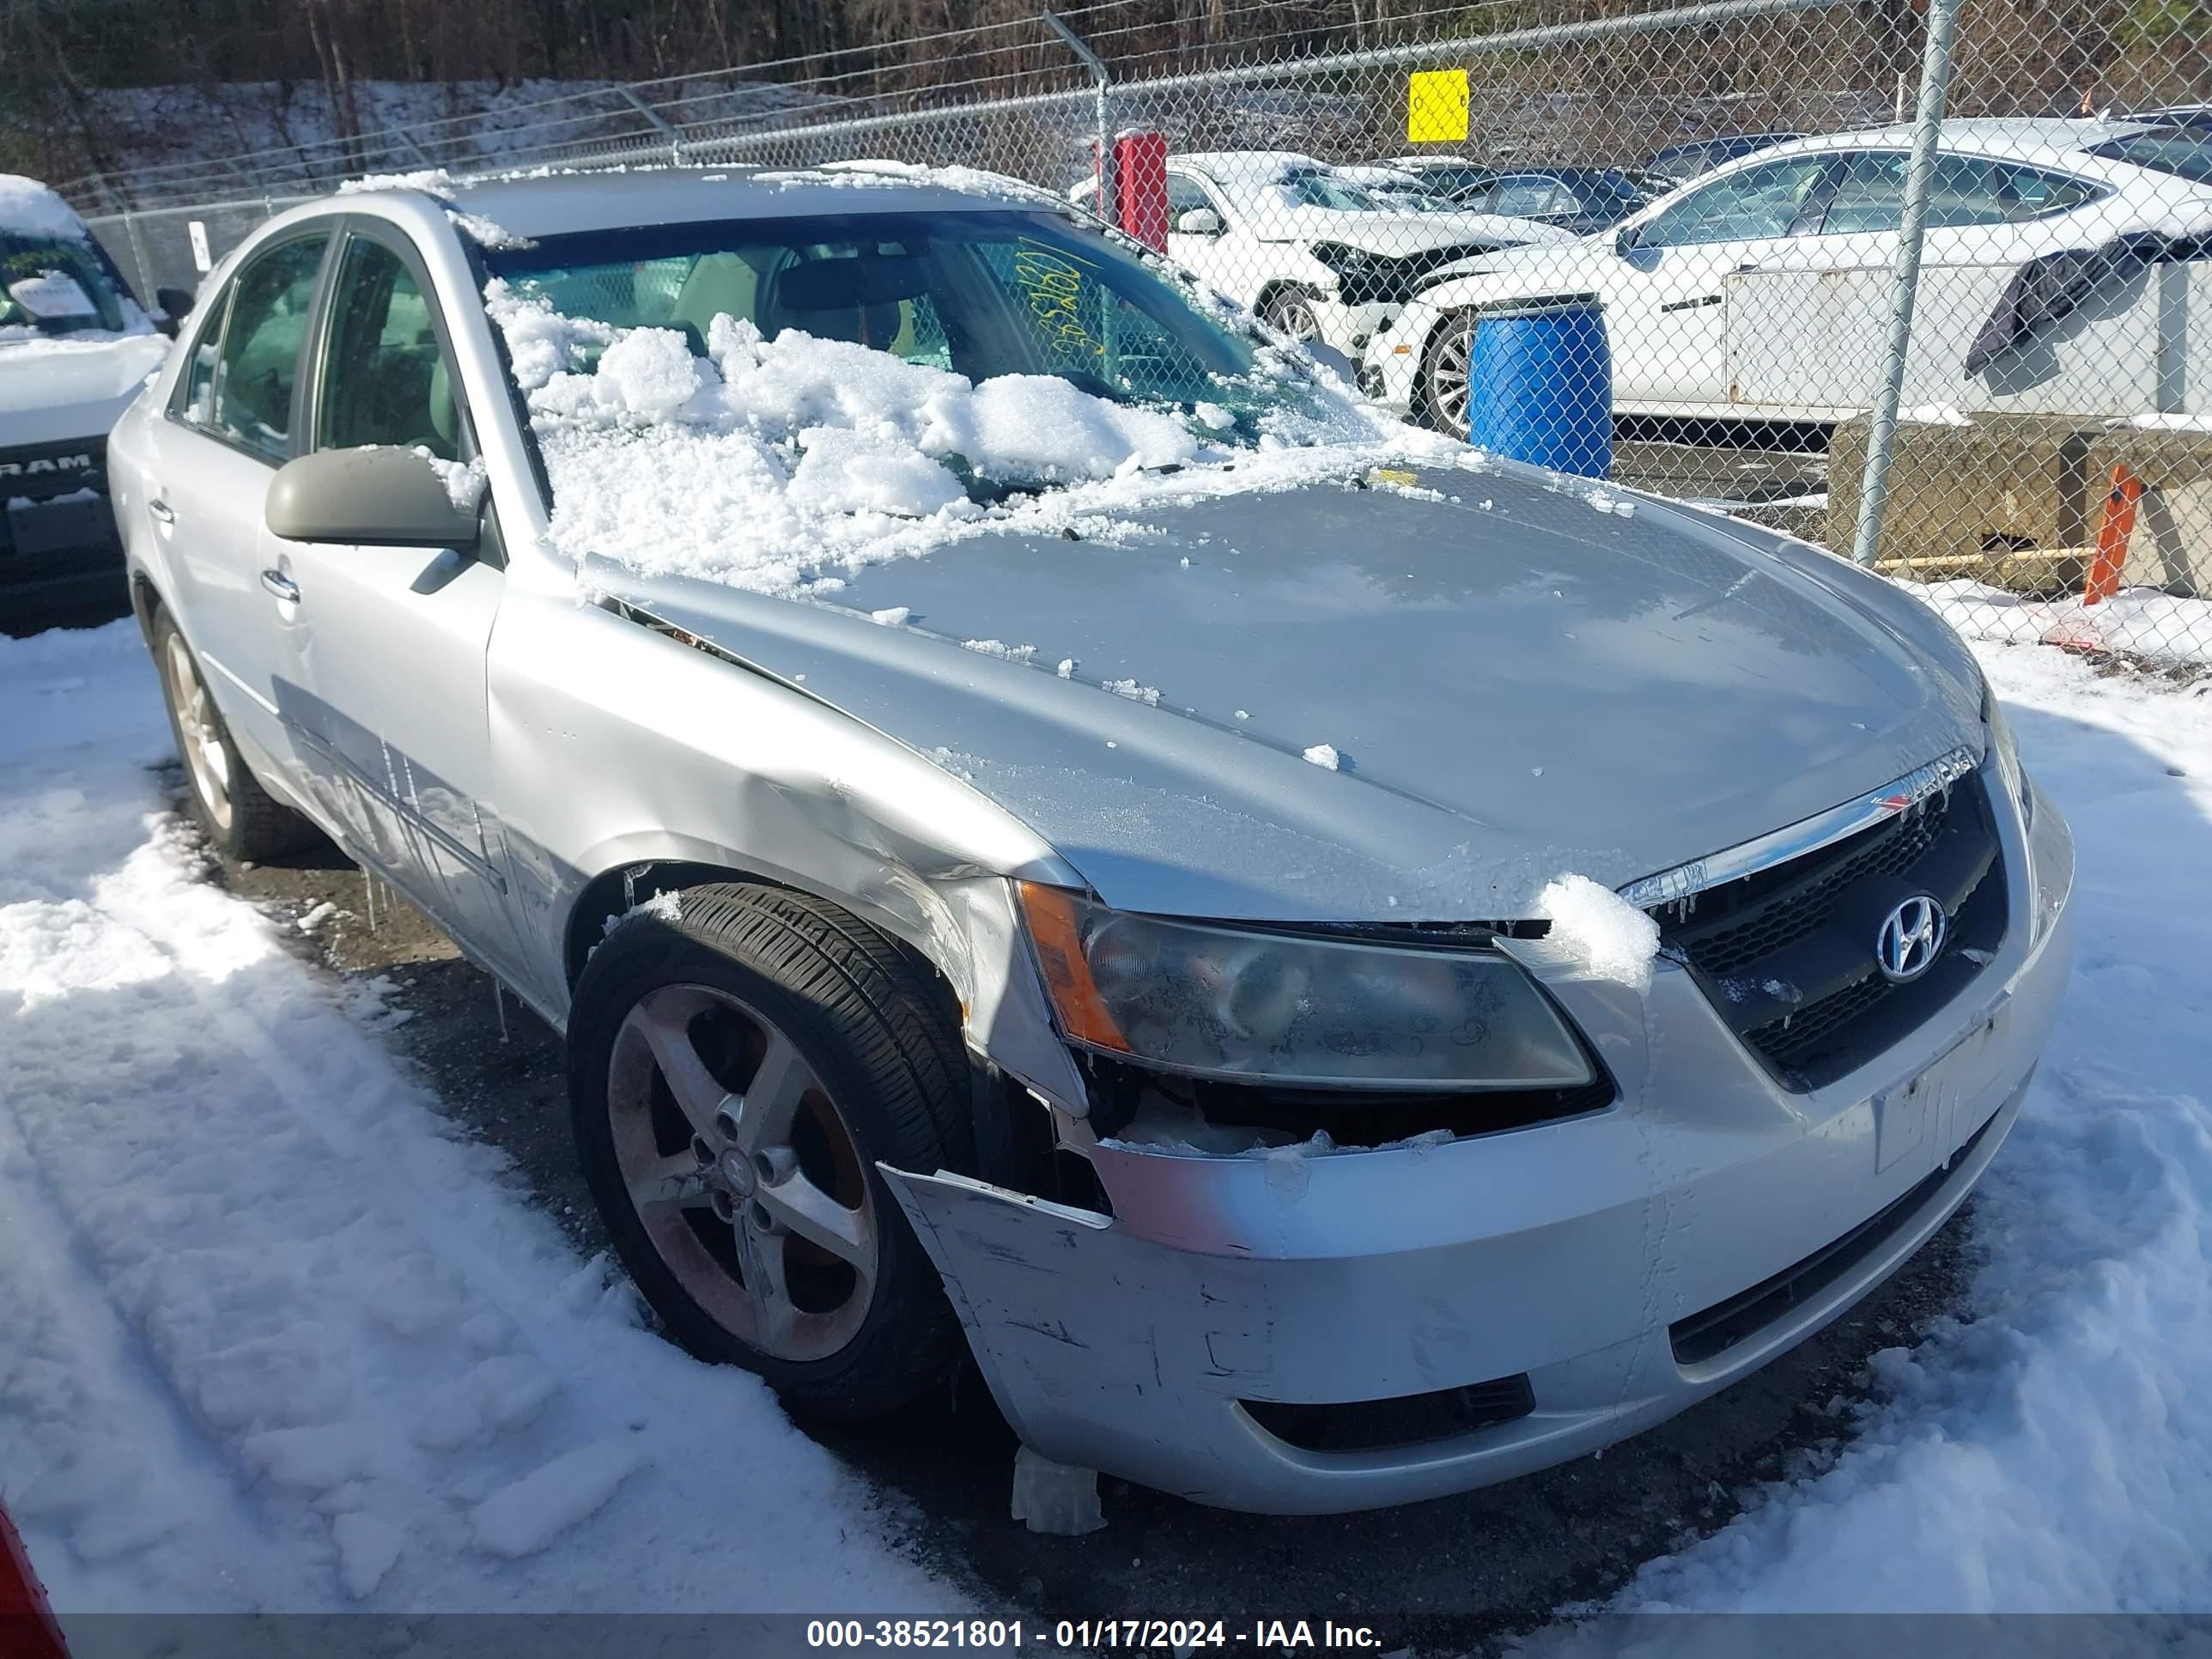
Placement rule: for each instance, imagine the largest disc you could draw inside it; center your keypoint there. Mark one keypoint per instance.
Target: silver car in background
(1175, 1009)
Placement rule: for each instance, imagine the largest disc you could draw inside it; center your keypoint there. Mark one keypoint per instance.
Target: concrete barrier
(2015, 500)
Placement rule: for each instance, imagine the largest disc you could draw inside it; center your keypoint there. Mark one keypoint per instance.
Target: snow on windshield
(55, 283)
(773, 461)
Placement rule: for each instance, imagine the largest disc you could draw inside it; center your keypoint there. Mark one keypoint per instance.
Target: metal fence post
(656, 121)
(1102, 82)
(1919, 177)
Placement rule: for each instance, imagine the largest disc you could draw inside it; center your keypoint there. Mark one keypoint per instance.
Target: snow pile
(1607, 934)
(1324, 755)
(28, 209)
(440, 183)
(2052, 1451)
(273, 1335)
(2139, 622)
(767, 464)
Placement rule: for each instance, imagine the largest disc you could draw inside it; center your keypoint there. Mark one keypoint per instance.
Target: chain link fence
(1931, 287)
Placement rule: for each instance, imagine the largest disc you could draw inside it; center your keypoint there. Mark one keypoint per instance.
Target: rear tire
(241, 818)
(735, 1073)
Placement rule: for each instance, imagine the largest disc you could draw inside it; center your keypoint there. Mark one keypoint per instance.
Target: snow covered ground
(273, 1336)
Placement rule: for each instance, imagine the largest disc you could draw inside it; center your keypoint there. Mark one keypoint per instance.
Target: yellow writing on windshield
(1051, 282)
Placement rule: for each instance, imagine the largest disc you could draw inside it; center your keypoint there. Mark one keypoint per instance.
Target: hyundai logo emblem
(1911, 939)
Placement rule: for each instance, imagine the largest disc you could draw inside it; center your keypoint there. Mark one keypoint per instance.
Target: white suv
(75, 348)
(1310, 251)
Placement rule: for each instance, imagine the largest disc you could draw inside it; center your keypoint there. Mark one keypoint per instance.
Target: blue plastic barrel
(1539, 384)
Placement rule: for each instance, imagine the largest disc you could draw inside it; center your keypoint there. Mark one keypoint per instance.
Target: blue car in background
(1680, 163)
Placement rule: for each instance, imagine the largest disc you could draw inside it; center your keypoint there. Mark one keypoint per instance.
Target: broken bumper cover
(1604, 1272)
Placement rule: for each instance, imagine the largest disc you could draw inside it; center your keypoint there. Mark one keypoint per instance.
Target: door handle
(161, 510)
(277, 583)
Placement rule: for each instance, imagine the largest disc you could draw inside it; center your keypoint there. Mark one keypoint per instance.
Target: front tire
(1293, 313)
(1445, 375)
(239, 818)
(735, 1073)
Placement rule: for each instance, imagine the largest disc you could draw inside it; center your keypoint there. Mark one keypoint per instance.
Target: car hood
(1515, 683)
(1567, 264)
(1397, 235)
(59, 390)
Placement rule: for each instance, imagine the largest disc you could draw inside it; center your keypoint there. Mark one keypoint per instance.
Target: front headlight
(1225, 1001)
(2006, 754)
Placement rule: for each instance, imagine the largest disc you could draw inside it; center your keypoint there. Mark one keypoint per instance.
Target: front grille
(37, 473)
(1786, 954)
(1889, 849)
(1705, 1335)
(1393, 281)
(1794, 1039)
(1410, 1420)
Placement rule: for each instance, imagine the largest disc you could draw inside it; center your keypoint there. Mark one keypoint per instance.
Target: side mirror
(1623, 241)
(1199, 222)
(383, 496)
(171, 306)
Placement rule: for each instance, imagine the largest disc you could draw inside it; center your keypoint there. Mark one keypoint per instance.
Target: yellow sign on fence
(1436, 106)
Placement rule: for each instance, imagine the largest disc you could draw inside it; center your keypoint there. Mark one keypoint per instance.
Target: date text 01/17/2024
(1174, 1635)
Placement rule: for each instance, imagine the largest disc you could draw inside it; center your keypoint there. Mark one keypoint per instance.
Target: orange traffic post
(2112, 538)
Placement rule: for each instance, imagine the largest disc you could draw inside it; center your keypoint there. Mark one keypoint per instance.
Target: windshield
(982, 294)
(2184, 151)
(1603, 187)
(764, 400)
(1312, 187)
(52, 285)
(1403, 192)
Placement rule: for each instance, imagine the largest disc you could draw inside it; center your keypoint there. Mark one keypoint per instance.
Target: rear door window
(1967, 190)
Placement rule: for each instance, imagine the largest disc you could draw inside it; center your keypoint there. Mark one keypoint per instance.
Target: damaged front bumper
(1309, 1334)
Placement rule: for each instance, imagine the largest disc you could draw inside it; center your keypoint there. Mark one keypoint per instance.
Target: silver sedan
(1343, 983)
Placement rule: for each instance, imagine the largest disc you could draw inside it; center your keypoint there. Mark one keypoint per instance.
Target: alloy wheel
(743, 1172)
(1447, 376)
(1294, 315)
(205, 757)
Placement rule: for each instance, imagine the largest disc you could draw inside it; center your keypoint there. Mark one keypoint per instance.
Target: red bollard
(27, 1629)
(1141, 178)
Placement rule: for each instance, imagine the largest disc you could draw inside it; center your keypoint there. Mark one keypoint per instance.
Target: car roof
(1377, 172)
(2018, 138)
(1246, 165)
(558, 204)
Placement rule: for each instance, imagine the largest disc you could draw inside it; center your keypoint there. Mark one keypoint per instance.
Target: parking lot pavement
(1443, 1575)
(1778, 478)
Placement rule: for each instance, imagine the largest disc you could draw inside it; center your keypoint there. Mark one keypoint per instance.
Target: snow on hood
(75, 385)
(1510, 684)
(774, 465)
